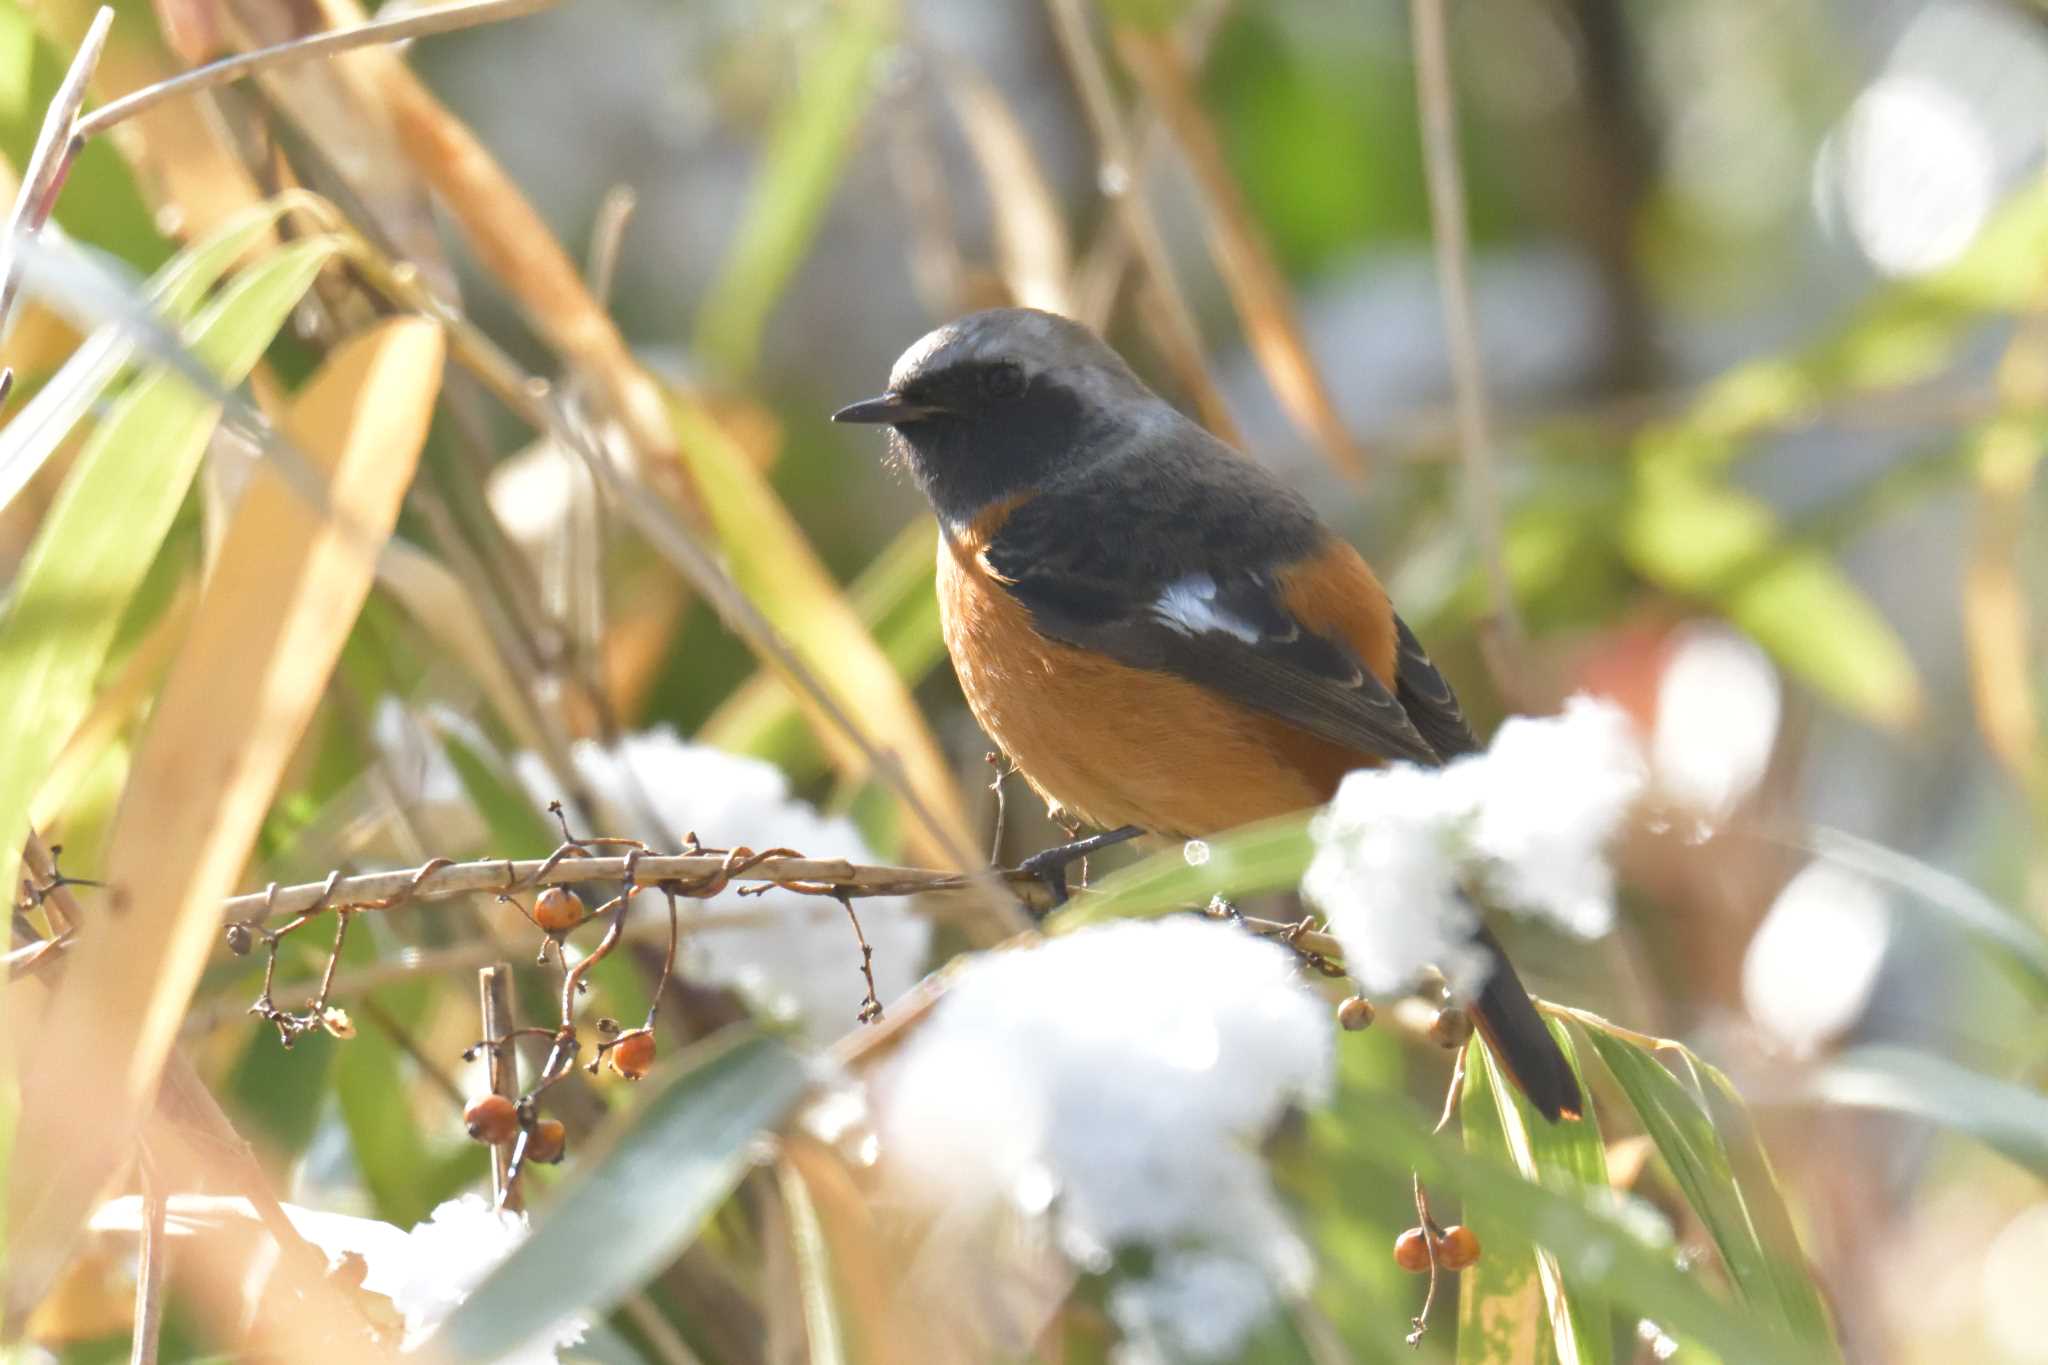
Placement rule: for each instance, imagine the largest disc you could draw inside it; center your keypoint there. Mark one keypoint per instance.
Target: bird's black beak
(890, 410)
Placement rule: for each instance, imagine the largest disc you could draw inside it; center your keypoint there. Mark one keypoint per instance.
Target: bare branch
(388, 890)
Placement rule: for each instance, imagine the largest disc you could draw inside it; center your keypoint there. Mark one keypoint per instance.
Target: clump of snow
(799, 959)
(1116, 1082)
(1527, 823)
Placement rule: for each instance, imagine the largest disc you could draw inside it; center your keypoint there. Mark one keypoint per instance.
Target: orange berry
(1411, 1251)
(1458, 1248)
(491, 1118)
(558, 908)
(632, 1056)
(547, 1141)
(1451, 1027)
(1356, 1013)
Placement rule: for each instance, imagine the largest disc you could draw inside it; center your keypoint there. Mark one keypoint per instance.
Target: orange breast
(1115, 745)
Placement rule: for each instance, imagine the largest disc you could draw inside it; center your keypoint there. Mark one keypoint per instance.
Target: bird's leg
(1051, 866)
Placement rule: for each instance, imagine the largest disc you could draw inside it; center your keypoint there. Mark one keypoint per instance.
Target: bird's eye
(1003, 380)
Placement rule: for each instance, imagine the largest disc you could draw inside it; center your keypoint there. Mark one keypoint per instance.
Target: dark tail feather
(1509, 1023)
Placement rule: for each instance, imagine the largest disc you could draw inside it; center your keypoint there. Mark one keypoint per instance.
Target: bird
(1160, 634)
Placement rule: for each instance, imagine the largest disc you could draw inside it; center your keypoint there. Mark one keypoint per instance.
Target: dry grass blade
(516, 247)
(1436, 98)
(1032, 251)
(1257, 287)
(1178, 337)
(442, 19)
(265, 637)
(449, 613)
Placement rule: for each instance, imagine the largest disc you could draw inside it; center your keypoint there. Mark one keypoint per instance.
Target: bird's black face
(978, 431)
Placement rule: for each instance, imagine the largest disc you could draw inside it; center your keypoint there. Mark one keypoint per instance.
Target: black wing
(1224, 626)
(1431, 705)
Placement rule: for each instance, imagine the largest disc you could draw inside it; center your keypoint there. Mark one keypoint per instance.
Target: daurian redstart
(1157, 631)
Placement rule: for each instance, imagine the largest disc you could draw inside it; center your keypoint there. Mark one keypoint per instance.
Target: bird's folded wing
(1236, 637)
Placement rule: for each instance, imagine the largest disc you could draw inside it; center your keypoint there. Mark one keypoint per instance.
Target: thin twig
(419, 24)
(1179, 338)
(1258, 288)
(494, 994)
(1439, 122)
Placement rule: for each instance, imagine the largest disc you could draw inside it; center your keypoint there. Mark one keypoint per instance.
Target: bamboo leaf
(1261, 857)
(639, 1202)
(108, 521)
(1769, 1274)
(1568, 1157)
(2010, 1119)
(286, 588)
(800, 170)
(1593, 1248)
(895, 599)
(774, 563)
(1502, 1318)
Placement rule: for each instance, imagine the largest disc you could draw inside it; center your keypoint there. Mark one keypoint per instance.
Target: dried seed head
(336, 1021)
(491, 1119)
(240, 940)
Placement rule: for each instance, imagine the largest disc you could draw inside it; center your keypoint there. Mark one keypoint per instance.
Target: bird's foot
(1050, 867)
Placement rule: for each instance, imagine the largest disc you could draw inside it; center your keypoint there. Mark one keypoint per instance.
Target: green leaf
(1502, 1319)
(2010, 937)
(1567, 1157)
(801, 167)
(1593, 1248)
(1266, 856)
(100, 203)
(1348, 1209)
(1745, 1217)
(33, 433)
(1694, 534)
(825, 1336)
(640, 1201)
(2008, 1118)
(96, 542)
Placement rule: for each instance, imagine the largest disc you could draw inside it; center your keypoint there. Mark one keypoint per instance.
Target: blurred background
(1755, 292)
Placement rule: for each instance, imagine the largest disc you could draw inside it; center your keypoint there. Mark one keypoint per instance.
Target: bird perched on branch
(1160, 634)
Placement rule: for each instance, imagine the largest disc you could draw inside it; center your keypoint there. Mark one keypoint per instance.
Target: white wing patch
(1189, 606)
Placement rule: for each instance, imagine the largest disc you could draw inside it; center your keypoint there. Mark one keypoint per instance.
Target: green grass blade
(1768, 1271)
(2010, 1119)
(96, 543)
(638, 1203)
(1502, 1319)
(1594, 1249)
(1567, 1157)
(1263, 857)
(32, 434)
(800, 170)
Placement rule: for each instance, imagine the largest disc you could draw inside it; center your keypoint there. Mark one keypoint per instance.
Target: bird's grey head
(997, 403)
